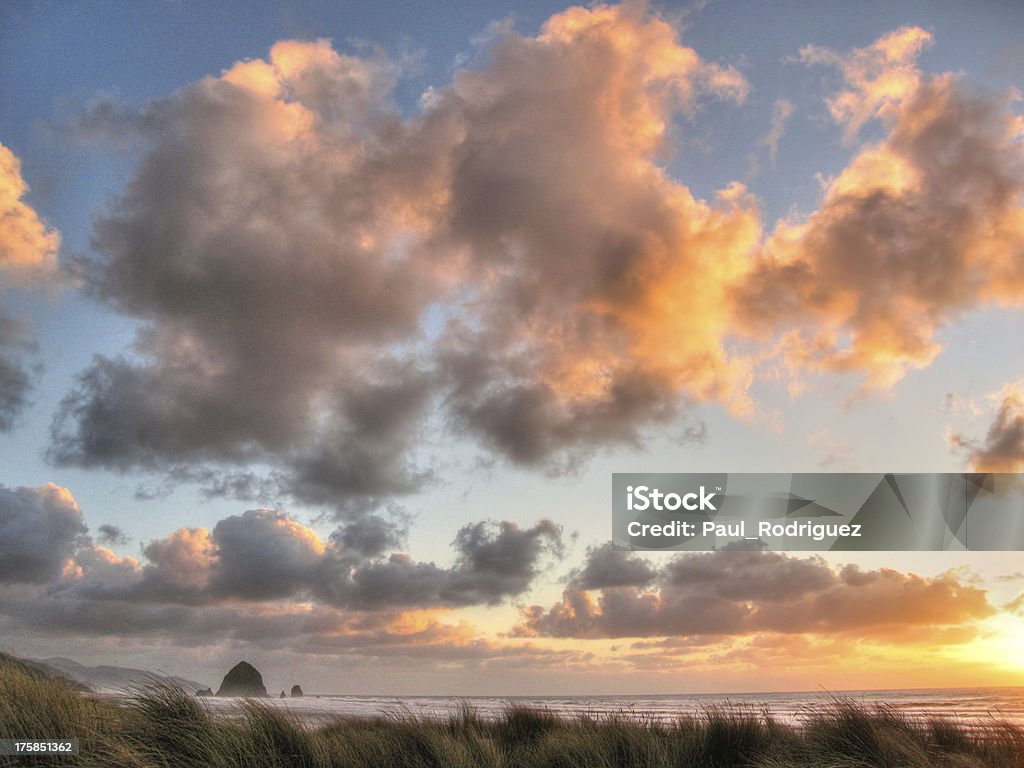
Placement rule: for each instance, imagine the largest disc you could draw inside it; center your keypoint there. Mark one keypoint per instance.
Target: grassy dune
(168, 727)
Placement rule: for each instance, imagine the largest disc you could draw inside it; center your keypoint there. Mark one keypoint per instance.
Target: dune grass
(165, 726)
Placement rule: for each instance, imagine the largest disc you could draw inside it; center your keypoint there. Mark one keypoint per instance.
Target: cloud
(40, 528)
(581, 246)
(94, 570)
(15, 378)
(111, 534)
(606, 567)
(319, 278)
(1003, 447)
(878, 78)
(369, 536)
(493, 563)
(362, 449)
(180, 565)
(418, 637)
(264, 579)
(28, 249)
(781, 113)
(261, 246)
(249, 485)
(265, 556)
(920, 227)
(733, 593)
(28, 259)
(287, 231)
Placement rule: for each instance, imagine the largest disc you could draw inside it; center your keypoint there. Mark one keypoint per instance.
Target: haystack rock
(296, 692)
(204, 692)
(242, 680)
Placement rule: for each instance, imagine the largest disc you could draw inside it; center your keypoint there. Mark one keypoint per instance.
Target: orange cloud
(878, 77)
(597, 299)
(28, 249)
(919, 228)
(1002, 450)
(185, 559)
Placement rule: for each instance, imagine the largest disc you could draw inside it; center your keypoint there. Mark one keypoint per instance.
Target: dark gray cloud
(265, 488)
(494, 562)
(40, 529)
(14, 387)
(111, 534)
(256, 556)
(263, 555)
(741, 593)
(260, 246)
(15, 377)
(606, 567)
(178, 569)
(360, 455)
(738, 576)
(371, 535)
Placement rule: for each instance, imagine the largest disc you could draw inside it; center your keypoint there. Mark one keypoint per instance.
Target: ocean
(968, 705)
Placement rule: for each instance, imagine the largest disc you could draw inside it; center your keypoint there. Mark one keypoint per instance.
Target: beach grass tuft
(163, 726)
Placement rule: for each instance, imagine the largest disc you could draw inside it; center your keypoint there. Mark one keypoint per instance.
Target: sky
(323, 327)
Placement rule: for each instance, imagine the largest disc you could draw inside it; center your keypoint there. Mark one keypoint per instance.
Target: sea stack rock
(296, 692)
(204, 692)
(282, 695)
(242, 680)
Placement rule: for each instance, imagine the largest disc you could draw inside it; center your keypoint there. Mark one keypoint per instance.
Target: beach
(163, 725)
(964, 705)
